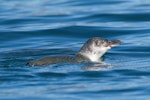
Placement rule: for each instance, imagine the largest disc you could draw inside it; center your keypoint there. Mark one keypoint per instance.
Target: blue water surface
(32, 29)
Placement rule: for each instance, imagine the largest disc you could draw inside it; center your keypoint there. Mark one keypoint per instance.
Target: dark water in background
(32, 29)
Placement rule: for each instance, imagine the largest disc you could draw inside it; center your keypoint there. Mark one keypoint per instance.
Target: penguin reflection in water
(92, 51)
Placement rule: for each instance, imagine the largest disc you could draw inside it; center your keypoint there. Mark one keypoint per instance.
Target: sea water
(33, 29)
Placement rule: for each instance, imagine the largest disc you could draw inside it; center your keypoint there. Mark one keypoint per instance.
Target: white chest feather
(95, 53)
(94, 56)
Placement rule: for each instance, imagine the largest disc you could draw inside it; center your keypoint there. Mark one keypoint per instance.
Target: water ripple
(35, 29)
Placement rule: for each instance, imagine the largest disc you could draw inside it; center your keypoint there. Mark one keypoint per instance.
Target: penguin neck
(92, 56)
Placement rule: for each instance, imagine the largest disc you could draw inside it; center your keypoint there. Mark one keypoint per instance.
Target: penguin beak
(113, 43)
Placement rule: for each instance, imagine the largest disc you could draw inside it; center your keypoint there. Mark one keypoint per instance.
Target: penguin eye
(109, 42)
(97, 43)
(103, 41)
